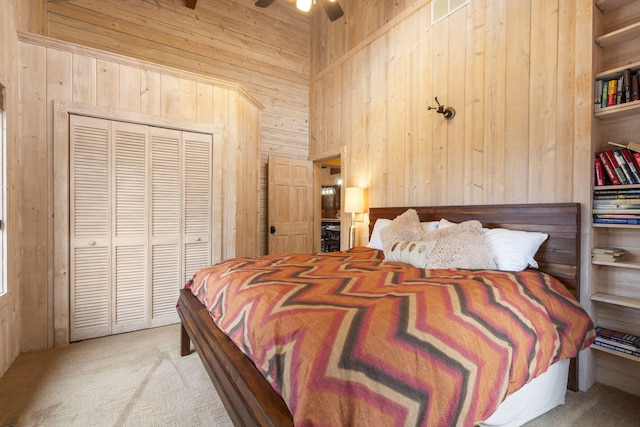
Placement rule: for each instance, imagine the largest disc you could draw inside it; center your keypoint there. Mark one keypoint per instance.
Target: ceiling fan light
(303, 5)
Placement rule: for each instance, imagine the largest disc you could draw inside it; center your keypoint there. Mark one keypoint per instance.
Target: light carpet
(133, 379)
(140, 379)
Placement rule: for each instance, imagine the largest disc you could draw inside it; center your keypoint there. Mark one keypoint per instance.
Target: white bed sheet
(540, 395)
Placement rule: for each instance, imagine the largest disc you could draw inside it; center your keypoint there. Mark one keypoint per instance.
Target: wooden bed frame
(248, 397)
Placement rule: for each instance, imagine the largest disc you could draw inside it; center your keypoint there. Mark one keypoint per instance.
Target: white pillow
(443, 223)
(429, 226)
(415, 253)
(513, 250)
(375, 241)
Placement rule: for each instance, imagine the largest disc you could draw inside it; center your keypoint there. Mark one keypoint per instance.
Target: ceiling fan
(333, 9)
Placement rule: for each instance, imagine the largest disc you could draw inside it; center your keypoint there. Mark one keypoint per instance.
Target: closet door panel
(90, 273)
(166, 211)
(130, 237)
(198, 156)
(130, 291)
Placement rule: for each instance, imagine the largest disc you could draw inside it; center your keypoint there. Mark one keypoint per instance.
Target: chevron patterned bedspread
(349, 340)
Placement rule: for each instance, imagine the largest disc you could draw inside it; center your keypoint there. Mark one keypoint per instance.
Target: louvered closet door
(198, 205)
(90, 231)
(130, 231)
(181, 168)
(140, 221)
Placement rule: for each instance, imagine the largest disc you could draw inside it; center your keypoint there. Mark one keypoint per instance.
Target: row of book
(616, 205)
(607, 254)
(619, 341)
(619, 166)
(617, 91)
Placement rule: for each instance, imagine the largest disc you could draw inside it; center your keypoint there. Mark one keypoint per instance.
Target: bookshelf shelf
(614, 38)
(616, 300)
(607, 6)
(623, 264)
(616, 353)
(616, 72)
(617, 111)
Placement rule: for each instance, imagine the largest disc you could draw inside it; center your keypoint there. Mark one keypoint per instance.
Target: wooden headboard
(559, 255)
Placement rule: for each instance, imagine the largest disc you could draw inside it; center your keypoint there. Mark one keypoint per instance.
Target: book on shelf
(616, 193)
(607, 254)
(616, 215)
(627, 84)
(619, 336)
(616, 202)
(608, 250)
(613, 221)
(599, 172)
(620, 90)
(601, 343)
(625, 167)
(605, 95)
(612, 91)
(635, 93)
(616, 167)
(631, 145)
(633, 166)
(609, 168)
(598, 93)
(625, 210)
(604, 258)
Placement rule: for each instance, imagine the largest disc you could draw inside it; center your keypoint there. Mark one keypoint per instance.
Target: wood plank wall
(58, 76)
(517, 73)
(510, 70)
(264, 50)
(15, 15)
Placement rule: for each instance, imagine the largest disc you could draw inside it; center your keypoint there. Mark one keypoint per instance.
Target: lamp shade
(354, 200)
(303, 5)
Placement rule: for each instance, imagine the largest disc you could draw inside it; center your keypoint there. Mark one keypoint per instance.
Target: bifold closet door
(90, 228)
(140, 222)
(181, 176)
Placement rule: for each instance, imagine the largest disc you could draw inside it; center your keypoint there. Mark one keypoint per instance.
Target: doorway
(331, 196)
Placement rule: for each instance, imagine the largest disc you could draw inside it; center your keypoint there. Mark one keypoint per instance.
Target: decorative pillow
(410, 252)
(405, 226)
(459, 246)
(375, 241)
(513, 250)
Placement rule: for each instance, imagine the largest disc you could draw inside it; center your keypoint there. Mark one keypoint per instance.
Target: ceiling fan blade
(264, 3)
(333, 9)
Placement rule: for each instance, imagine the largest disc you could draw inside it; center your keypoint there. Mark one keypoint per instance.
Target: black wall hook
(447, 112)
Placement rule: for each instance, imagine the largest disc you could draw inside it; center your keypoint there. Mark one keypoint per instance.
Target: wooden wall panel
(508, 68)
(11, 20)
(15, 15)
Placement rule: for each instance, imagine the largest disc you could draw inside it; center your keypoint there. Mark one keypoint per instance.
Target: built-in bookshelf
(615, 284)
(622, 77)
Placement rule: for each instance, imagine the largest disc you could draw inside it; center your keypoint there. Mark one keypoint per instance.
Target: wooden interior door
(290, 205)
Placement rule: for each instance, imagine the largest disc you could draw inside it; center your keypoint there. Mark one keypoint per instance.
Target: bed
(251, 399)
